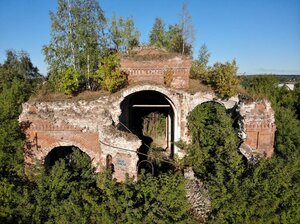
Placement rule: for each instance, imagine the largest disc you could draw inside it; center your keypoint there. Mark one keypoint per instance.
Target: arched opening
(109, 163)
(149, 115)
(72, 165)
(66, 153)
(147, 166)
(58, 153)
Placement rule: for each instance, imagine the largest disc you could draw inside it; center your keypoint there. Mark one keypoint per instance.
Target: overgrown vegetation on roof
(146, 53)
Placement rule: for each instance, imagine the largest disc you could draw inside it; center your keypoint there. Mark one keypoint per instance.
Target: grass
(57, 96)
(44, 95)
(197, 86)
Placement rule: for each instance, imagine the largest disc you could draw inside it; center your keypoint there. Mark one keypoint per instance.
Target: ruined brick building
(108, 129)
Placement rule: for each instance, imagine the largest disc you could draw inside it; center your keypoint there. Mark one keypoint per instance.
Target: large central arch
(169, 97)
(138, 105)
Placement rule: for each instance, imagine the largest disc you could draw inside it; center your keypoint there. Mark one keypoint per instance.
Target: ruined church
(110, 129)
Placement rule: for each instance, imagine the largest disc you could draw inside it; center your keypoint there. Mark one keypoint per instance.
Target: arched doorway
(58, 153)
(149, 115)
(66, 153)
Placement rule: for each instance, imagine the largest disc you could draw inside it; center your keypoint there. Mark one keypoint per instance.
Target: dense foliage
(267, 192)
(214, 156)
(171, 39)
(77, 38)
(214, 142)
(69, 191)
(157, 35)
(222, 77)
(70, 80)
(18, 78)
(81, 37)
(149, 200)
(124, 36)
(109, 76)
(199, 66)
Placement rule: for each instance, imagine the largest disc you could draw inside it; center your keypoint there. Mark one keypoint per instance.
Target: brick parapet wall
(153, 71)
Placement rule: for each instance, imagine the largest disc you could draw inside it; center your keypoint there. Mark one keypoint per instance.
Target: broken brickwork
(147, 64)
(259, 128)
(94, 126)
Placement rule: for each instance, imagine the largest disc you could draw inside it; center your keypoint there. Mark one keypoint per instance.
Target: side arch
(67, 143)
(200, 98)
(217, 102)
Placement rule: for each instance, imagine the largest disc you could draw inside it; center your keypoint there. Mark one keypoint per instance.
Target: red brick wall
(153, 71)
(261, 138)
(259, 127)
(42, 136)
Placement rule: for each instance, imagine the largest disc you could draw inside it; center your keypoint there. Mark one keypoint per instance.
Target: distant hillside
(288, 78)
(283, 78)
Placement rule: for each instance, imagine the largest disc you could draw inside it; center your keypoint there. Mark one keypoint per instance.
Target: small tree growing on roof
(108, 75)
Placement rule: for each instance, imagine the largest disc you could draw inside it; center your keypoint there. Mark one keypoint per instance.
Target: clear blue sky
(262, 35)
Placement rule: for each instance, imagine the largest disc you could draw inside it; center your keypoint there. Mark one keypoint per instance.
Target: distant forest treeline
(283, 78)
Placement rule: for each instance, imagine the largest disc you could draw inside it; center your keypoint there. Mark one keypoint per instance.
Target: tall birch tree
(187, 28)
(123, 33)
(77, 38)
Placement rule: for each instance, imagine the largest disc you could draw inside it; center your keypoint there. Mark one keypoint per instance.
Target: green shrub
(223, 78)
(168, 77)
(69, 82)
(108, 75)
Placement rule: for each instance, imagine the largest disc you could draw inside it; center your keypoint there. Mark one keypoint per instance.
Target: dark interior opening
(61, 152)
(135, 108)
